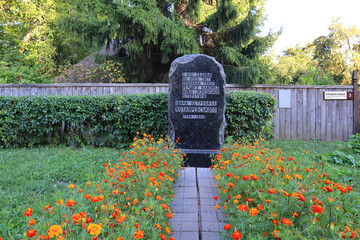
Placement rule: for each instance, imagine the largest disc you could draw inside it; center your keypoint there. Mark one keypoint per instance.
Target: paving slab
(195, 217)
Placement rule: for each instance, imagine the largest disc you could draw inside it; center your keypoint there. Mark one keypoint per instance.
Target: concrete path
(195, 217)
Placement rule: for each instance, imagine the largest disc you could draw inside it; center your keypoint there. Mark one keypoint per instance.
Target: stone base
(198, 158)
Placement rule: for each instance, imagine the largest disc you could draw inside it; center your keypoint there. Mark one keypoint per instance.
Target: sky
(304, 20)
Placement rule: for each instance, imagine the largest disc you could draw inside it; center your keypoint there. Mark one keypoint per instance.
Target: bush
(113, 120)
(249, 114)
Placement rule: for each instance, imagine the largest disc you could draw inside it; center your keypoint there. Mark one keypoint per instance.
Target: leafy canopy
(153, 33)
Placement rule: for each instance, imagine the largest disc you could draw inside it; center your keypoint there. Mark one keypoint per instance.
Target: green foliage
(355, 142)
(113, 120)
(99, 121)
(249, 115)
(151, 36)
(340, 158)
(316, 76)
(13, 70)
(30, 29)
(337, 53)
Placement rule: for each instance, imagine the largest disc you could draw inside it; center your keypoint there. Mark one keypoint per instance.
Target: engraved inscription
(193, 117)
(196, 103)
(196, 109)
(196, 85)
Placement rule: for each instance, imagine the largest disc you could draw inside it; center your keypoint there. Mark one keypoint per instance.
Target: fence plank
(312, 118)
(277, 116)
(293, 113)
(304, 115)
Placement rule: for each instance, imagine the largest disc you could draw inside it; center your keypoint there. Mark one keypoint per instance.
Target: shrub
(249, 114)
(113, 120)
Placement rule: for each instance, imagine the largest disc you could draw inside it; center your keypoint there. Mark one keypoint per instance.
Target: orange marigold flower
(169, 215)
(245, 177)
(32, 222)
(274, 215)
(231, 185)
(158, 226)
(54, 230)
(47, 207)
(272, 191)
(236, 235)
(254, 177)
(87, 196)
(238, 196)
(71, 186)
(70, 203)
(31, 233)
(253, 211)
(286, 221)
(275, 222)
(228, 174)
(138, 234)
(216, 197)
(295, 214)
(227, 227)
(59, 202)
(94, 229)
(298, 176)
(268, 201)
(76, 218)
(317, 208)
(28, 212)
(217, 177)
(275, 233)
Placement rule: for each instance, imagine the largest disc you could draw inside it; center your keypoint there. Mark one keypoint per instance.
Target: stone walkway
(195, 217)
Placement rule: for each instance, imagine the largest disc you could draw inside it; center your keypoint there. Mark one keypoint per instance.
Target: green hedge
(113, 120)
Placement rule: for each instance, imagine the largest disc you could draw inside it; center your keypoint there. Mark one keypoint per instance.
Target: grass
(34, 177)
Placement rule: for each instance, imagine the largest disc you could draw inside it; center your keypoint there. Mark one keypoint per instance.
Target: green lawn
(34, 177)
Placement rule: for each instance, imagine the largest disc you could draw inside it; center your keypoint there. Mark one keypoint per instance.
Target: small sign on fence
(338, 95)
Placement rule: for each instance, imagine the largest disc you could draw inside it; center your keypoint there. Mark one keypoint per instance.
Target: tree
(291, 68)
(29, 30)
(153, 33)
(338, 52)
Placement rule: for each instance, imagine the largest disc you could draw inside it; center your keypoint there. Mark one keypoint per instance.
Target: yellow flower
(297, 176)
(54, 230)
(94, 229)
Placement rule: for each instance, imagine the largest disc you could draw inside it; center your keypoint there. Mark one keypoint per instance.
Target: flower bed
(267, 195)
(129, 201)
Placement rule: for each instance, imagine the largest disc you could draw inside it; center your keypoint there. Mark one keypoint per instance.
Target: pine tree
(153, 33)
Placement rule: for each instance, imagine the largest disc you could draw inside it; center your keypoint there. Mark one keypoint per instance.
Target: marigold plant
(130, 198)
(282, 197)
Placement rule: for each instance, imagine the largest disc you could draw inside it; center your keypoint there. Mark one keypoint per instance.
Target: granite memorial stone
(197, 107)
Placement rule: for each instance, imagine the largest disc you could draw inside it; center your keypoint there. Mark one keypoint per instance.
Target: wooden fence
(302, 111)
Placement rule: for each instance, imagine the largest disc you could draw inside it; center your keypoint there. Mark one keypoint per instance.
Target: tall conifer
(152, 33)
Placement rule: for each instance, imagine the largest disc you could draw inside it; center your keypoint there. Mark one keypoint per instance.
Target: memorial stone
(197, 107)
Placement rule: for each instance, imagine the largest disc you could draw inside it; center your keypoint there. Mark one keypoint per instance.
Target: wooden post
(356, 102)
